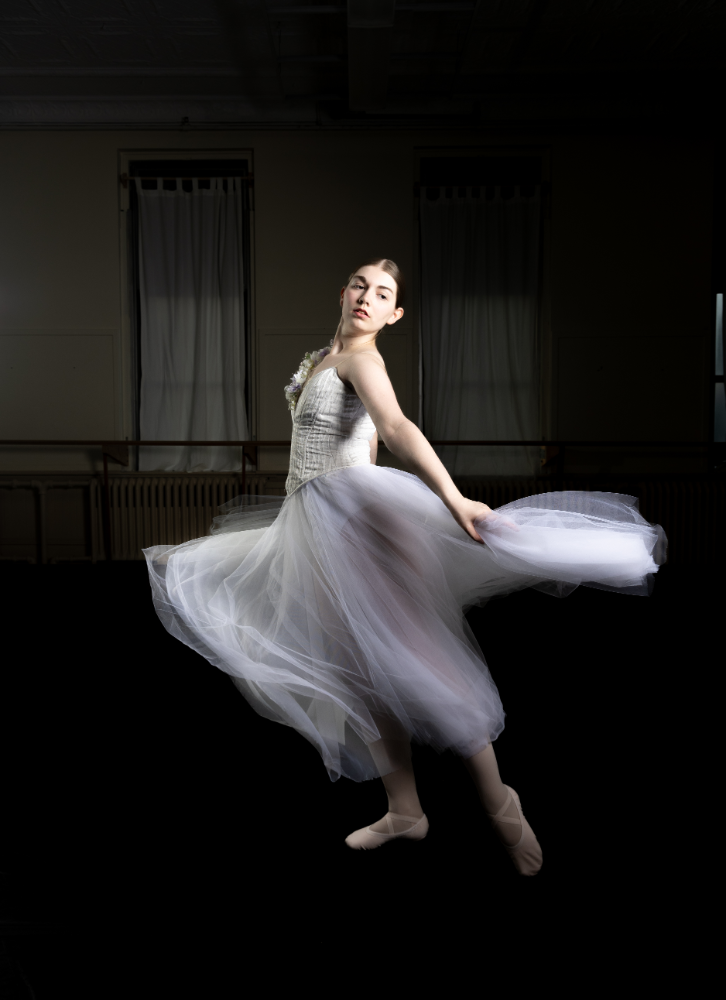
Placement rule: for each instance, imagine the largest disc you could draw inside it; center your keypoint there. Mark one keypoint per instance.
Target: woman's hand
(465, 512)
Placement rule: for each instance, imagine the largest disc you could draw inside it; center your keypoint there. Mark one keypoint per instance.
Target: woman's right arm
(403, 438)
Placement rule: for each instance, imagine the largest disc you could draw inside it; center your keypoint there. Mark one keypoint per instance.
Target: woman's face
(369, 302)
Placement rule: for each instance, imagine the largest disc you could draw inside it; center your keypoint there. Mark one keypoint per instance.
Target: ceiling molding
(463, 110)
(165, 113)
(64, 71)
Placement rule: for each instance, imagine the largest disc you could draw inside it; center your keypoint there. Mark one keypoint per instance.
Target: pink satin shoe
(366, 839)
(526, 853)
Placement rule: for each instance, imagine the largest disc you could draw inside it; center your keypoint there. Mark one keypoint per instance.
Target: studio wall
(627, 313)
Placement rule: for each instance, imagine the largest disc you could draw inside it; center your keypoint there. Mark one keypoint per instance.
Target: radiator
(166, 510)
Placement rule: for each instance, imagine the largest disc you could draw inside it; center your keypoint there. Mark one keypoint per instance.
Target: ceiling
(275, 62)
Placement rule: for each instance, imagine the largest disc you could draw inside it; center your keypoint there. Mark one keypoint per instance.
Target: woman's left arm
(404, 440)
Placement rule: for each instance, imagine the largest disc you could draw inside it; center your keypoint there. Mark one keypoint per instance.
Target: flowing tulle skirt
(339, 610)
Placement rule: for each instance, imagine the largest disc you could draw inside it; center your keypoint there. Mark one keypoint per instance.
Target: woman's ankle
(484, 772)
(405, 808)
(493, 799)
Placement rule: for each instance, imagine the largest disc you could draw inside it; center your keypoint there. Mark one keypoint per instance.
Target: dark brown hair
(390, 267)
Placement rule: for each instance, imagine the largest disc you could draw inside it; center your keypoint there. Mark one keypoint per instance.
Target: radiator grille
(168, 510)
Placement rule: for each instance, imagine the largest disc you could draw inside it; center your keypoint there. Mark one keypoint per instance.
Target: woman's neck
(347, 344)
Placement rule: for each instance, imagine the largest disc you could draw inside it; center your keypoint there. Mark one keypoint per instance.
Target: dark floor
(142, 795)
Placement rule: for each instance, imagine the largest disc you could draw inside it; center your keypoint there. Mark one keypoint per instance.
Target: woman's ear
(397, 313)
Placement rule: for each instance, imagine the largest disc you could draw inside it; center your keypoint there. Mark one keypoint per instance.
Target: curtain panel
(192, 336)
(480, 264)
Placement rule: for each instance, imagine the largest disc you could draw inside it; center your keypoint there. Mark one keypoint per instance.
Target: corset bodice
(331, 430)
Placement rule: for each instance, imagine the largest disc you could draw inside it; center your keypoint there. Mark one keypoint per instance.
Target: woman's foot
(517, 835)
(411, 828)
(399, 825)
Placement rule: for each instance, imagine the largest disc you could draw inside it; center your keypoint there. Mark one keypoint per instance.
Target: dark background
(147, 802)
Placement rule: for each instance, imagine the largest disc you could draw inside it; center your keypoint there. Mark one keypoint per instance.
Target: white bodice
(331, 430)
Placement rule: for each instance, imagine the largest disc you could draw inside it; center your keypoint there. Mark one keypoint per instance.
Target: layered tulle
(340, 609)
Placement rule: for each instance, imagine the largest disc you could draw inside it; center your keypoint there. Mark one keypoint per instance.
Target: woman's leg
(392, 753)
(403, 799)
(484, 771)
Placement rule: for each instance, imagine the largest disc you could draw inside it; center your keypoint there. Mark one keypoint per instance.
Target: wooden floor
(142, 796)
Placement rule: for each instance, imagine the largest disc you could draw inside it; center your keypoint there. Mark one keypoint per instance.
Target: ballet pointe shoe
(526, 853)
(366, 839)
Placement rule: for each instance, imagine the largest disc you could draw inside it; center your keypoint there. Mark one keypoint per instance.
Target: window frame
(543, 152)
(129, 372)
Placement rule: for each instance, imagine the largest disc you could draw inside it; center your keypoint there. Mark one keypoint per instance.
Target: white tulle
(341, 607)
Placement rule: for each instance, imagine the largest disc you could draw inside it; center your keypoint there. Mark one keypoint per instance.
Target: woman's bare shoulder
(364, 359)
(361, 365)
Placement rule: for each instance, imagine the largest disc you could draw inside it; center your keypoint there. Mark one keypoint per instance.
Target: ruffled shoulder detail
(311, 360)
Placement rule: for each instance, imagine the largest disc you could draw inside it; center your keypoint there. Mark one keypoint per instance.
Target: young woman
(338, 610)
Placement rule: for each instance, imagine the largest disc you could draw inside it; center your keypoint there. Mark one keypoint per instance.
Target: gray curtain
(192, 336)
(479, 327)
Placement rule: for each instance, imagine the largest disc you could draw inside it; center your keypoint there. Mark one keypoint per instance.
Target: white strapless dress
(341, 606)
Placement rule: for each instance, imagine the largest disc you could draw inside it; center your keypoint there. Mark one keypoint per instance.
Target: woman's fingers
(477, 518)
(471, 529)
